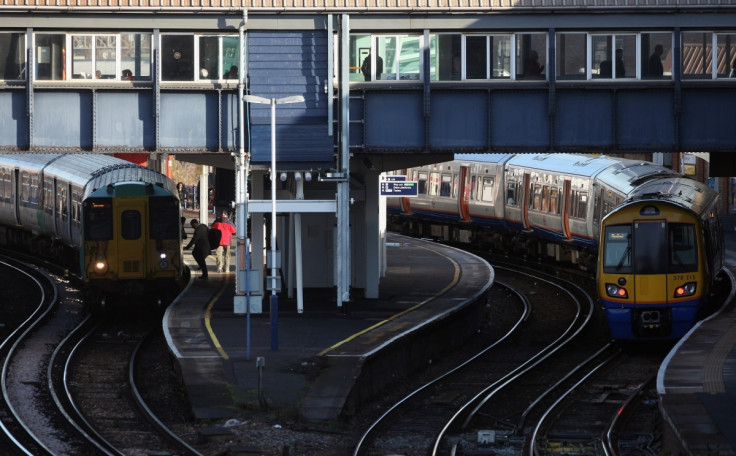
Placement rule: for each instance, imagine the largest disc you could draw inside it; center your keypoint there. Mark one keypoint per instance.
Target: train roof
(626, 174)
(683, 191)
(572, 164)
(34, 162)
(484, 158)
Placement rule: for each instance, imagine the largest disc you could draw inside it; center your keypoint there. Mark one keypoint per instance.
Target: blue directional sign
(394, 178)
(399, 188)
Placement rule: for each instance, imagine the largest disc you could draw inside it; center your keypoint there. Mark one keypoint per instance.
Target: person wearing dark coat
(201, 246)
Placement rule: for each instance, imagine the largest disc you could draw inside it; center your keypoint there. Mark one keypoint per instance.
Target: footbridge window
(700, 62)
(385, 57)
(12, 56)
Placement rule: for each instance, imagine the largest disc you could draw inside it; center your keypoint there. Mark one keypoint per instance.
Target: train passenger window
(48, 196)
(554, 207)
(455, 179)
(5, 187)
(537, 198)
(62, 207)
(473, 189)
(177, 57)
(579, 204)
(726, 58)
(422, 184)
(487, 190)
(656, 55)
(617, 248)
(25, 191)
(12, 56)
(545, 199)
(35, 189)
(50, 51)
(434, 184)
(130, 224)
(76, 206)
(650, 248)
(511, 194)
(97, 220)
(682, 247)
(445, 185)
(571, 56)
(163, 214)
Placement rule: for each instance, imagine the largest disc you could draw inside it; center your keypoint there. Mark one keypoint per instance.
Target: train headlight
(686, 290)
(163, 262)
(615, 291)
(100, 265)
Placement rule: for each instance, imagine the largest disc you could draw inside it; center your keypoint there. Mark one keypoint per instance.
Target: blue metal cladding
(459, 120)
(584, 118)
(645, 119)
(707, 118)
(519, 119)
(284, 64)
(62, 119)
(13, 121)
(394, 120)
(125, 119)
(188, 119)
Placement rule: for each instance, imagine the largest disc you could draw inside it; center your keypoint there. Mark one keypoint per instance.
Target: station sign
(403, 188)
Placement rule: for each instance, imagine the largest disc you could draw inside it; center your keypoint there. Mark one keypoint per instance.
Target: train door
(525, 201)
(405, 201)
(464, 194)
(650, 252)
(566, 210)
(16, 194)
(129, 214)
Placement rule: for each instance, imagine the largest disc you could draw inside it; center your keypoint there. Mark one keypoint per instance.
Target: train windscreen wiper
(623, 258)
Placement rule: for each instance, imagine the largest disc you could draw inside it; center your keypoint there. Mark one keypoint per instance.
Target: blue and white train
(554, 205)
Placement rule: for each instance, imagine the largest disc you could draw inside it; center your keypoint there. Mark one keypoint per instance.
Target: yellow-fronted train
(114, 222)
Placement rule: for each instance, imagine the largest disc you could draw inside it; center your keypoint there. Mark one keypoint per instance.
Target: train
(550, 205)
(116, 223)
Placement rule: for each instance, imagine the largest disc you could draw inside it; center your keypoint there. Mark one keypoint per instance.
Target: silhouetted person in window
(533, 69)
(366, 67)
(655, 62)
(232, 73)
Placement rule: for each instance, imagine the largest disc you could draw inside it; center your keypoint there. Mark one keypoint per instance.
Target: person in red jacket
(223, 250)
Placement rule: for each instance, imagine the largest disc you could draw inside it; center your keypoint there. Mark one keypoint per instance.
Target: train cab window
(98, 220)
(650, 247)
(163, 214)
(682, 247)
(617, 248)
(12, 56)
(130, 225)
(486, 192)
(446, 185)
(422, 183)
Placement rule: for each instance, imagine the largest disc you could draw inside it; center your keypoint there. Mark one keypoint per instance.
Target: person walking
(201, 246)
(222, 253)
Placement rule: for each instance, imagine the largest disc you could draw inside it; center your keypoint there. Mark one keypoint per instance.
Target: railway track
(69, 380)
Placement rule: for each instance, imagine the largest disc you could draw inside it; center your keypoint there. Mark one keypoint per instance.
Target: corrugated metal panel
(362, 5)
(284, 64)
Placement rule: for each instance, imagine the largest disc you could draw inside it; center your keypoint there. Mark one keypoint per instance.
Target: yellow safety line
(208, 325)
(455, 279)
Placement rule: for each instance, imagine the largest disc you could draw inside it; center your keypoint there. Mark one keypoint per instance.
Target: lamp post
(274, 303)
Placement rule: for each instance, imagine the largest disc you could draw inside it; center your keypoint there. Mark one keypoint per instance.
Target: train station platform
(697, 382)
(327, 360)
